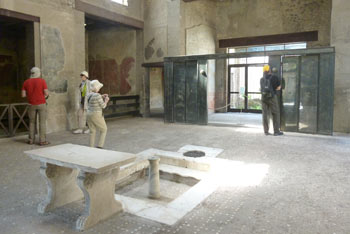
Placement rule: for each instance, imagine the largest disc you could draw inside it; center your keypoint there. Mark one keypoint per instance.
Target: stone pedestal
(153, 178)
(100, 203)
(61, 187)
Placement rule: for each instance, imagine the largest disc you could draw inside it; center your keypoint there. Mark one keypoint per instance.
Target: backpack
(266, 87)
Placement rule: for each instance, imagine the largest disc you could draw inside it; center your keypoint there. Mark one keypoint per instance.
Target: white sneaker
(78, 131)
(87, 131)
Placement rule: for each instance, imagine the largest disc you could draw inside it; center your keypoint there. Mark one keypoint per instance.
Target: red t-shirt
(34, 88)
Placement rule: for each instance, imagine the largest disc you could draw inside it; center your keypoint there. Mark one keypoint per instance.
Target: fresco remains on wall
(114, 77)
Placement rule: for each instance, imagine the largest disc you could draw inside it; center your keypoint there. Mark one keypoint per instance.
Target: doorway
(16, 57)
(156, 80)
(244, 88)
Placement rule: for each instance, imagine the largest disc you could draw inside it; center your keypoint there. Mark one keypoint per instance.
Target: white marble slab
(209, 152)
(172, 212)
(85, 158)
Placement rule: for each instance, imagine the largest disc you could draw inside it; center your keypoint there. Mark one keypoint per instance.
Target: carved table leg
(61, 185)
(100, 203)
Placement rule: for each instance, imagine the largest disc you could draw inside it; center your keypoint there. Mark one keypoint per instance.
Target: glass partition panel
(325, 97)
(290, 96)
(308, 94)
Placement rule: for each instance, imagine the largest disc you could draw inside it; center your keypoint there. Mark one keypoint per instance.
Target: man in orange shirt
(35, 89)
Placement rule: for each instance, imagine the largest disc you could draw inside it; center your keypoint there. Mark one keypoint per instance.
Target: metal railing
(123, 106)
(12, 116)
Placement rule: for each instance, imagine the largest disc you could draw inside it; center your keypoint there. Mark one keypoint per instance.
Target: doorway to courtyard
(17, 56)
(244, 88)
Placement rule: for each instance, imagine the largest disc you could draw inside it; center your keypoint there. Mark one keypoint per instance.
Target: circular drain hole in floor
(194, 154)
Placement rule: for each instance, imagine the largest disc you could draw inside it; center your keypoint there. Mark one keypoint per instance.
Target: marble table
(73, 172)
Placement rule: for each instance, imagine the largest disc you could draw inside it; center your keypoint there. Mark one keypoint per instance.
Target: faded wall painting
(111, 59)
(112, 75)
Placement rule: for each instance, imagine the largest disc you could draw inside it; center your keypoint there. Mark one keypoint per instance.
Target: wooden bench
(122, 106)
(73, 172)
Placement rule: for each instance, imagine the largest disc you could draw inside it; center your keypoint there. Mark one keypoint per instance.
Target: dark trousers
(270, 107)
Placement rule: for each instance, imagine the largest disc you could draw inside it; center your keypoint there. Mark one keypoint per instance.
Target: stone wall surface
(156, 89)
(155, 30)
(164, 29)
(340, 39)
(200, 27)
(61, 50)
(237, 18)
(57, 4)
(176, 37)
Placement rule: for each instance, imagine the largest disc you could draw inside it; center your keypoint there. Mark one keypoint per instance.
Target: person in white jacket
(84, 90)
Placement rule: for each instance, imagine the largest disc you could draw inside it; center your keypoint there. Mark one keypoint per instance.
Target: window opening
(122, 2)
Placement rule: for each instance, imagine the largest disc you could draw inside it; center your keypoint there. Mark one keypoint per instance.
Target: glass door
(244, 88)
(237, 89)
(253, 97)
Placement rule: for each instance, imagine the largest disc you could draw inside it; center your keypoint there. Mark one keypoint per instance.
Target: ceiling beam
(108, 15)
(269, 39)
(18, 15)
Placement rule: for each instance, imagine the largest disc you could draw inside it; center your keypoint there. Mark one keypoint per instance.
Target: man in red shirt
(35, 89)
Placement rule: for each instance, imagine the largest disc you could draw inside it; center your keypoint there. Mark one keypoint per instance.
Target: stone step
(183, 172)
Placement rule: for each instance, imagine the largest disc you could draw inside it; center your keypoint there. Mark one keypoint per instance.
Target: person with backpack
(269, 84)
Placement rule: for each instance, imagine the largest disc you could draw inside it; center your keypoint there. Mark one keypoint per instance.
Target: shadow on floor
(252, 120)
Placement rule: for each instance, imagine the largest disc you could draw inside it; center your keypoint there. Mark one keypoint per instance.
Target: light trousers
(41, 110)
(81, 117)
(97, 122)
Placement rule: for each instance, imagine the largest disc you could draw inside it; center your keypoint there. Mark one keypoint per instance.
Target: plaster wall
(340, 39)
(61, 41)
(155, 30)
(176, 28)
(237, 18)
(164, 29)
(156, 89)
(112, 57)
(200, 27)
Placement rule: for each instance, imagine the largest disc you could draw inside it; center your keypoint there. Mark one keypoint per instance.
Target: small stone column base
(153, 178)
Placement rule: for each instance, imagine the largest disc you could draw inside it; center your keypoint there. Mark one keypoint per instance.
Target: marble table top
(85, 158)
